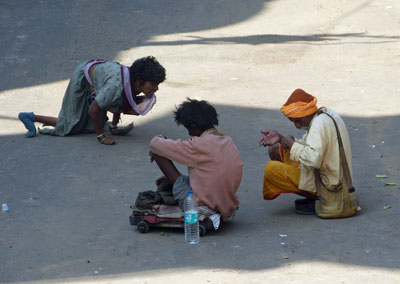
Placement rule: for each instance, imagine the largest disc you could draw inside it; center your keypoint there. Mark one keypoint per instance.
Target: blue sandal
(28, 119)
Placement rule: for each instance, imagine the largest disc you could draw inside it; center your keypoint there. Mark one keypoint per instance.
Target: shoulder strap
(346, 170)
(87, 68)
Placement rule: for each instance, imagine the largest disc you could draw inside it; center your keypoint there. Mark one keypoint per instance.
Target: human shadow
(43, 42)
(69, 199)
(312, 39)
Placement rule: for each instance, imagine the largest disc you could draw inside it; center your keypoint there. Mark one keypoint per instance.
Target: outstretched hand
(270, 137)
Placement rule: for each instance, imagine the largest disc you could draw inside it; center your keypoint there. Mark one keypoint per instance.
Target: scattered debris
(381, 176)
(387, 207)
(390, 184)
(4, 208)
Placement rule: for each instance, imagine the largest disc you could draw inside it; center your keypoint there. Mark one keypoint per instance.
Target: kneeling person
(215, 167)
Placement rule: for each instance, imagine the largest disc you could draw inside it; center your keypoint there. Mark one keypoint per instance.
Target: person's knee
(159, 159)
(270, 170)
(269, 189)
(155, 157)
(274, 153)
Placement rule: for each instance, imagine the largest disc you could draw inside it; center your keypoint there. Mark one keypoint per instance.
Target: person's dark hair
(196, 114)
(147, 69)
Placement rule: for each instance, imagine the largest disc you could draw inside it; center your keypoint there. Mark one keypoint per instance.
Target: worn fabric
(215, 168)
(299, 104)
(88, 65)
(107, 84)
(281, 177)
(147, 103)
(147, 199)
(180, 189)
(180, 192)
(319, 149)
(165, 190)
(74, 117)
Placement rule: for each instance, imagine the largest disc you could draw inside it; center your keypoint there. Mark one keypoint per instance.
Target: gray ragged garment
(74, 117)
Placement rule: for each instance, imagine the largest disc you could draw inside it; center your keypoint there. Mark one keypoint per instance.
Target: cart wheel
(202, 230)
(143, 227)
(135, 219)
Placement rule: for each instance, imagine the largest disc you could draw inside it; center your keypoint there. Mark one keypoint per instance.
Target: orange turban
(299, 104)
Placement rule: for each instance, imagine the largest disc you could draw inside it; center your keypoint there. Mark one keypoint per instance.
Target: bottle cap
(190, 192)
(5, 208)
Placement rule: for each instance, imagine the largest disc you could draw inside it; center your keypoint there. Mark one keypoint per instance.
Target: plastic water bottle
(192, 235)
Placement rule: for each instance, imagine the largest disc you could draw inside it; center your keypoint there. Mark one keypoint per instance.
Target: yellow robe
(281, 177)
(317, 149)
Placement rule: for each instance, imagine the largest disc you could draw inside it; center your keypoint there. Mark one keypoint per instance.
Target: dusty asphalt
(69, 197)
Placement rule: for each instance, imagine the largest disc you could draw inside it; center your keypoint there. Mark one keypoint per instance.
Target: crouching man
(215, 167)
(314, 166)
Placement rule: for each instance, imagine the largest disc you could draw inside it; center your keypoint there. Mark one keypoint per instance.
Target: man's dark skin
(272, 138)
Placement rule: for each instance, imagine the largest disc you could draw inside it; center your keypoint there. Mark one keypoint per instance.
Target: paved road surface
(70, 197)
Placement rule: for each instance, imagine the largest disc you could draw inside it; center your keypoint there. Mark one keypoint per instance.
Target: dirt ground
(70, 198)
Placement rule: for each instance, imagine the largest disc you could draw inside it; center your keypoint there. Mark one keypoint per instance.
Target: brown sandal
(121, 131)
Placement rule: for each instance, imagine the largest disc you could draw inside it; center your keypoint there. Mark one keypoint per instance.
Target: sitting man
(215, 167)
(291, 169)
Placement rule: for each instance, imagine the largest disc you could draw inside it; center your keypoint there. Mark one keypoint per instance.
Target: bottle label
(191, 217)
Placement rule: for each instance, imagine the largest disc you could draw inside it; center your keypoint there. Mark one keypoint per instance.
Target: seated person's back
(215, 167)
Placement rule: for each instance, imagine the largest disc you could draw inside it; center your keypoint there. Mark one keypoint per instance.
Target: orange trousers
(281, 177)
